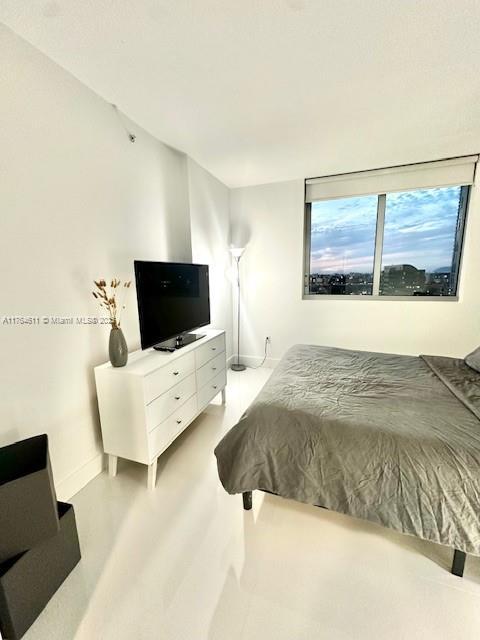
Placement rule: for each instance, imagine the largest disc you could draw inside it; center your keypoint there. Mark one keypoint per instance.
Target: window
(401, 242)
(421, 247)
(342, 246)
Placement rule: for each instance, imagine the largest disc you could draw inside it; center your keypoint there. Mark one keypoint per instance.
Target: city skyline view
(420, 229)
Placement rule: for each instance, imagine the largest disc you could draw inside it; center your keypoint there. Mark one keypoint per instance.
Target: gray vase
(117, 348)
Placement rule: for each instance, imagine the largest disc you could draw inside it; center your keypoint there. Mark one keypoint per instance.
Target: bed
(391, 439)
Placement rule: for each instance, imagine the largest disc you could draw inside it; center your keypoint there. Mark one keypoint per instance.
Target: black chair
(28, 504)
(28, 581)
(38, 535)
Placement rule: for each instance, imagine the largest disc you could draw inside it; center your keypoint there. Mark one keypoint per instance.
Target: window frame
(465, 193)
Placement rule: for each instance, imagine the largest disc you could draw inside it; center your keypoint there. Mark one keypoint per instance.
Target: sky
(419, 230)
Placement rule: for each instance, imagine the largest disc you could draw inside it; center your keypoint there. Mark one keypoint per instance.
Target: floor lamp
(237, 253)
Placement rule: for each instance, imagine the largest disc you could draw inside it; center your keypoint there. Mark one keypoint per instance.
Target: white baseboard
(79, 478)
(255, 361)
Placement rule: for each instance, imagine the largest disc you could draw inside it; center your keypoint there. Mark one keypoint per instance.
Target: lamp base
(238, 367)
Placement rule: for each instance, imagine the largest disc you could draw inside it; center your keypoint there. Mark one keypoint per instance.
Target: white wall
(269, 219)
(210, 231)
(78, 201)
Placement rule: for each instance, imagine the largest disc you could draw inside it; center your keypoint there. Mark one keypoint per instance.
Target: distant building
(402, 280)
(395, 280)
(341, 283)
(439, 282)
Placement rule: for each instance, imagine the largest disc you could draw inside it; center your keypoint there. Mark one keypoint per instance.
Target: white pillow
(473, 360)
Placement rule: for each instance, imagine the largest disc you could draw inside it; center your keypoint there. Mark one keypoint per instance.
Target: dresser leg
(112, 465)
(224, 395)
(152, 474)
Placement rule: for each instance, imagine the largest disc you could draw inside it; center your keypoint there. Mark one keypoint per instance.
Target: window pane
(342, 246)
(421, 251)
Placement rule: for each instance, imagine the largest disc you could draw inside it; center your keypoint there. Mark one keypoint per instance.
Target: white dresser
(147, 404)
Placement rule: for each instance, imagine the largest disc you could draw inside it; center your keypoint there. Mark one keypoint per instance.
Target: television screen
(173, 298)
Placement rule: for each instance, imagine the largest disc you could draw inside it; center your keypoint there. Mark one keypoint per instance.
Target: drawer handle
(177, 397)
(214, 348)
(214, 386)
(175, 373)
(179, 421)
(214, 368)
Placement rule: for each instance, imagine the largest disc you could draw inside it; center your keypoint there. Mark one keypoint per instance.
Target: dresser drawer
(164, 378)
(160, 408)
(209, 350)
(210, 390)
(166, 432)
(210, 370)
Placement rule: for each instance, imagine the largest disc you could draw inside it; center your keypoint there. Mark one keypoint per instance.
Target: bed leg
(247, 500)
(458, 564)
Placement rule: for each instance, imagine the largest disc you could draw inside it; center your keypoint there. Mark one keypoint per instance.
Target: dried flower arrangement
(108, 299)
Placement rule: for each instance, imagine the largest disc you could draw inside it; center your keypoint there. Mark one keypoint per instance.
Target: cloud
(343, 234)
(419, 229)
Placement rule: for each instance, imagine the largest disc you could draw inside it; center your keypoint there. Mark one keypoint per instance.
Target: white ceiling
(266, 90)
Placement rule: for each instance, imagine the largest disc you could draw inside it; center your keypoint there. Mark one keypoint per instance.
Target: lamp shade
(237, 252)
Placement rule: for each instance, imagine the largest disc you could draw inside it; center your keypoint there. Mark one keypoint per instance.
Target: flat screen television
(173, 299)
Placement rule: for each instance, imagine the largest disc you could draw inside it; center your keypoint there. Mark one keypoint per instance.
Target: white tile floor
(185, 562)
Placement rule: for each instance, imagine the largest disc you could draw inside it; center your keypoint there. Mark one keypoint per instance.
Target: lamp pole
(237, 254)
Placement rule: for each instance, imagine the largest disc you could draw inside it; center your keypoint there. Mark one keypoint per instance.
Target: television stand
(180, 341)
(145, 405)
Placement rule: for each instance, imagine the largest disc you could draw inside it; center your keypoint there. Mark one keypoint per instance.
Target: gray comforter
(387, 438)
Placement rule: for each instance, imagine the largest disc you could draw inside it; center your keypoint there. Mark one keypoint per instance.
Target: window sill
(383, 298)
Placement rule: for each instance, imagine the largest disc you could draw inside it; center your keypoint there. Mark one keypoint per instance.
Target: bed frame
(459, 557)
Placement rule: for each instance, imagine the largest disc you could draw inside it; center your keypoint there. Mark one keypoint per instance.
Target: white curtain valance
(443, 173)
